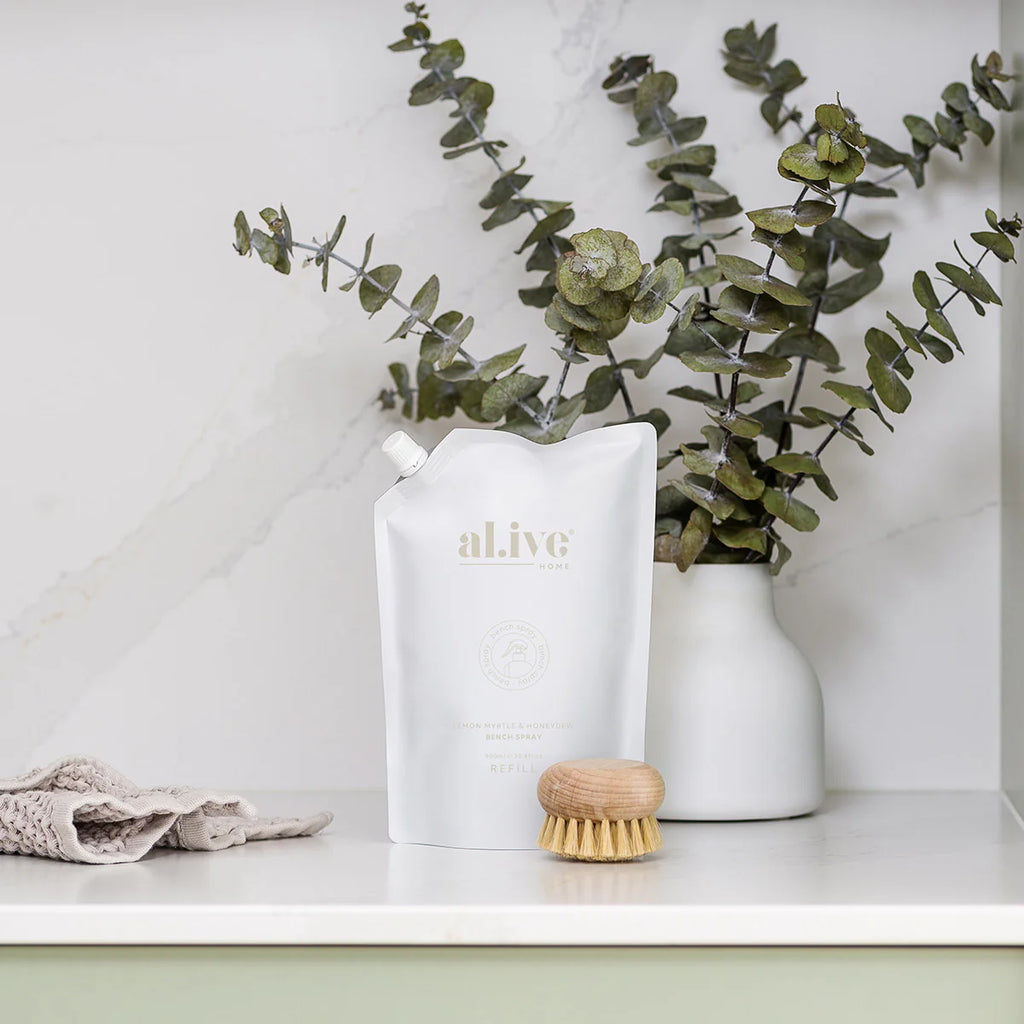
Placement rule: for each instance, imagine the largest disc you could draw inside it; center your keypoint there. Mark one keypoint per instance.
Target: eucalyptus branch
(813, 323)
(443, 59)
(362, 275)
(902, 353)
(489, 148)
(887, 363)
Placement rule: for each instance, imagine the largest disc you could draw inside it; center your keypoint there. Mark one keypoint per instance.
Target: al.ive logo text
(548, 549)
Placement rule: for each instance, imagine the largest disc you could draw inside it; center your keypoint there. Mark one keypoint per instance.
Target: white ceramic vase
(734, 712)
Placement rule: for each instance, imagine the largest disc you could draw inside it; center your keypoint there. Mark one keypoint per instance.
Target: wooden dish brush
(600, 809)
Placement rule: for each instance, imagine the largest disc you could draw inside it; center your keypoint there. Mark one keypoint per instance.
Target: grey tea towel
(80, 809)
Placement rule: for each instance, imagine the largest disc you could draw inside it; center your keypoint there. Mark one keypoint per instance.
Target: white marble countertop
(869, 869)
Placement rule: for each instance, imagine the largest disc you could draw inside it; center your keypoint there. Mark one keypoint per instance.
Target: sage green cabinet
(89, 985)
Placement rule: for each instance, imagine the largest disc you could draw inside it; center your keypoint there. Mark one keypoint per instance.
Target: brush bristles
(582, 839)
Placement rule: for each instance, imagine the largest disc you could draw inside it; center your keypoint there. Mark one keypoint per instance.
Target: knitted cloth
(80, 809)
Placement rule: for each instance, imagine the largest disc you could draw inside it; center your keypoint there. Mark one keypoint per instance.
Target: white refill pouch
(514, 582)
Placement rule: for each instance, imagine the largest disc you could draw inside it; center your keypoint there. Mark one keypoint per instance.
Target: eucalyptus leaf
(803, 343)
(701, 336)
(610, 306)
(688, 156)
(654, 90)
(735, 473)
(539, 297)
(270, 252)
(685, 313)
(548, 226)
(569, 354)
(698, 182)
(997, 243)
(881, 154)
(504, 188)
(780, 557)
(701, 491)
(751, 277)
(505, 213)
(910, 337)
(848, 170)
(507, 391)
(377, 286)
(937, 347)
(755, 364)
(461, 133)
(883, 345)
(872, 191)
(659, 287)
(700, 460)
(951, 133)
(658, 418)
(436, 398)
(444, 57)
(693, 538)
(839, 424)
(488, 144)
(790, 246)
(642, 367)
(802, 160)
(938, 323)
(957, 96)
(601, 389)
(400, 375)
(425, 300)
(575, 315)
(781, 219)
(490, 368)
(457, 370)
(758, 313)
(924, 292)
(790, 510)
(565, 416)
(692, 394)
(888, 384)
(792, 463)
(961, 279)
(856, 397)
(243, 235)
(752, 538)
(984, 287)
(849, 290)
(974, 122)
(920, 130)
(737, 423)
(856, 248)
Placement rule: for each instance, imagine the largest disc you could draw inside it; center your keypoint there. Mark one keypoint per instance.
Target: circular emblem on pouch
(513, 654)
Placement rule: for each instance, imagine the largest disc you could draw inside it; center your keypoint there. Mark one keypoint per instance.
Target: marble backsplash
(190, 440)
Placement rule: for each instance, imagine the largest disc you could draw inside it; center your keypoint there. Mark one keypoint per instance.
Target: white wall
(189, 439)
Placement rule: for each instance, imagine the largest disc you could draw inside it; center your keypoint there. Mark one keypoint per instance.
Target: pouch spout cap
(404, 452)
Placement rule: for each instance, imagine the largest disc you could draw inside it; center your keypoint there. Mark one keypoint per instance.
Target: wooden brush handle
(601, 789)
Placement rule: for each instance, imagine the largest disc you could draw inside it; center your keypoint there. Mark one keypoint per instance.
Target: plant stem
(549, 412)
(734, 384)
(815, 313)
(617, 374)
(428, 324)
